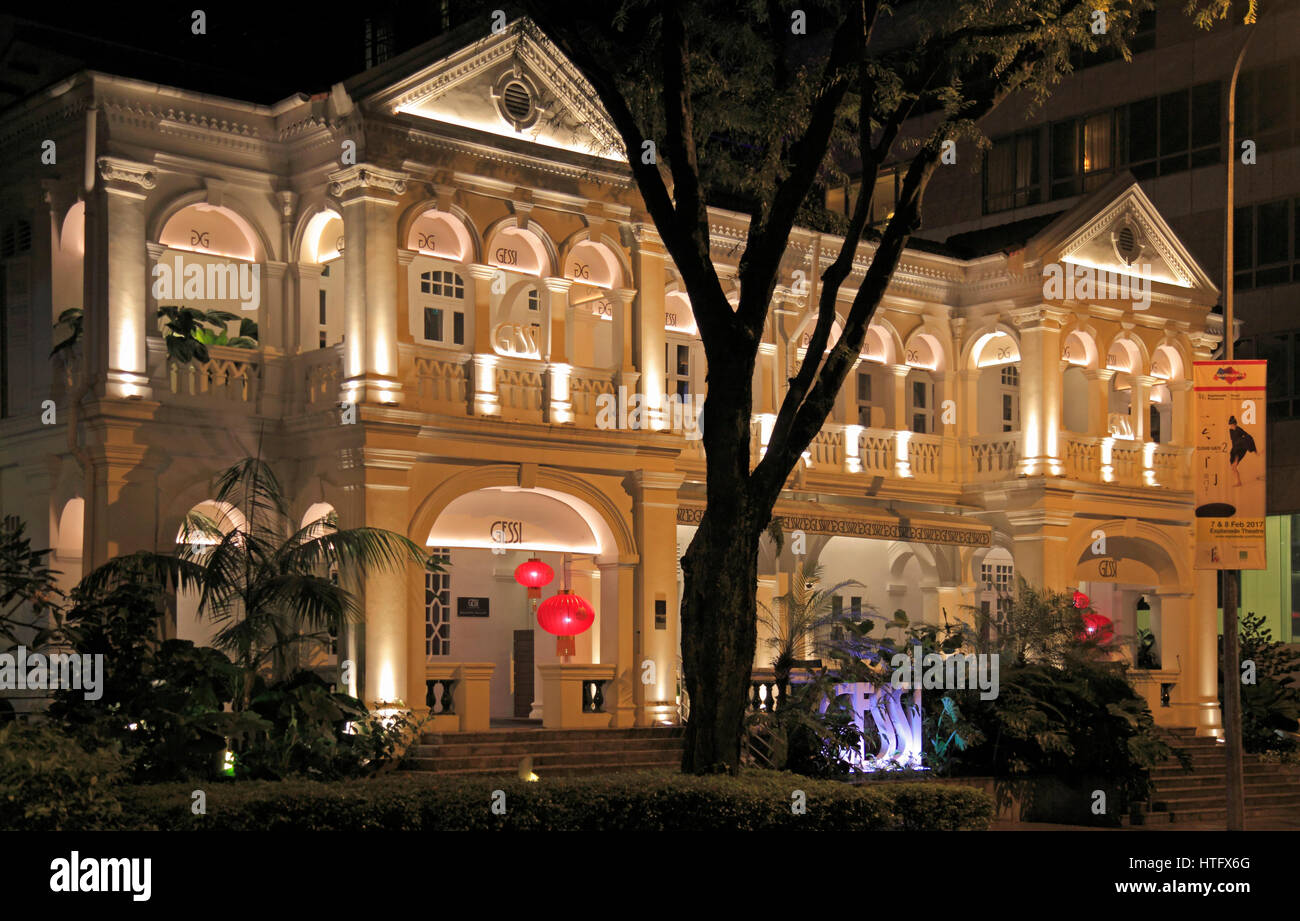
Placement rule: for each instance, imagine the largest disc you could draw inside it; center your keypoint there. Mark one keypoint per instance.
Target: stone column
(1181, 419)
(404, 259)
(627, 374)
(899, 421)
(648, 338)
(618, 644)
(654, 522)
(117, 282)
(289, 342)
(385, 493)
(483, 374)
(1040, 389)
(369, 196)
(308, 321)
(558, 405)
(1099, 401)
(1140, 407)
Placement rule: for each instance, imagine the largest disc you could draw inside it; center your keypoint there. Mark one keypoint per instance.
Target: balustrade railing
(993, 457)
(925, 456)
(229, 377)
(876, 452)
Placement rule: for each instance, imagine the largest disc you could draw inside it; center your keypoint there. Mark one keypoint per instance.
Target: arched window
(444, 319)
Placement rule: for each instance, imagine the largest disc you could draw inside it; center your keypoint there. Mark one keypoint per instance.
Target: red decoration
(1081, 600)
(1098, 627)
(565, 614)
(533, 574)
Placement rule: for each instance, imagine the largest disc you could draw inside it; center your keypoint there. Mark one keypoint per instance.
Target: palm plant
(797, 617)
(187, 335)
(265, 583)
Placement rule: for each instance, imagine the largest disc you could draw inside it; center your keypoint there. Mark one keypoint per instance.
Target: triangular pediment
(514, 84)
(1119, 230)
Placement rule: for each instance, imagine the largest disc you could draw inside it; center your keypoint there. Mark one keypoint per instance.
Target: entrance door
(523, 673)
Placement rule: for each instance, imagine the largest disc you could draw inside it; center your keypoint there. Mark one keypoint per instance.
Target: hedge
(637, 801)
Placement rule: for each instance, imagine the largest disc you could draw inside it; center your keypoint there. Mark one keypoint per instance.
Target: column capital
(557, 285)
(1039, 317)
(480, 272)
(405, 256)
(126, 177)
(367, 182)
(288, 202)
(652, 479)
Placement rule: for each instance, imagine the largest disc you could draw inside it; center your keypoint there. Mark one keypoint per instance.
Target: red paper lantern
(1098, 627)
(565, 614)
(533, 574)
(1081, 600)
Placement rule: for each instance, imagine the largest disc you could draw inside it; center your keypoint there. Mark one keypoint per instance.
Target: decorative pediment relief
(1127, 236)
(514, 84)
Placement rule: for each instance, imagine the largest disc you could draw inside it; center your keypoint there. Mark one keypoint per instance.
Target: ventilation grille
(517, 101)
(15, 238)
(1126, 244)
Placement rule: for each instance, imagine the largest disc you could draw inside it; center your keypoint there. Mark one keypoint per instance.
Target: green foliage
(32, 608)
(49, 783)
(313, 731)
(648, 801)
(187, 332)
(1270, 707)
(800, 617)
(809, 731)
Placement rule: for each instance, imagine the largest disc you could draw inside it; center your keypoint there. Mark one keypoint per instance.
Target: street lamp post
(1236, 794)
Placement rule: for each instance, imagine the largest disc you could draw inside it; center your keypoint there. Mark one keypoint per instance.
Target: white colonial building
(453, 278)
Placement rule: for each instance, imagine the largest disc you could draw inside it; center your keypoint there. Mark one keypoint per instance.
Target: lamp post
(1236, 794)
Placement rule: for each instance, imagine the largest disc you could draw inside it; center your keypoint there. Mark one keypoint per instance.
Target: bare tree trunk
(719, 634)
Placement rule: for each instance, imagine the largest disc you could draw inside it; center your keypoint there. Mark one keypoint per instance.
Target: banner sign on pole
(1229, 464)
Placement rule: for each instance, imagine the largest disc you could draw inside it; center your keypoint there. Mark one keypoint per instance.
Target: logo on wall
(507, 532)
(507, 256)
(1107, 568)
(199, 238)
(425, 241)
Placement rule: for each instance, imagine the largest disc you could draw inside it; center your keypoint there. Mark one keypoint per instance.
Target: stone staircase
(555, 752)
(1196, 796)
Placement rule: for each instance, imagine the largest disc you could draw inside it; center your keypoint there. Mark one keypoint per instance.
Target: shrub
(644, 801)
(49, 783)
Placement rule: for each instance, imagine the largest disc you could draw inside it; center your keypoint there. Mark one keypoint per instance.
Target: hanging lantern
(1081, 600)
(565, 614)
(1098, 627)
(534, 574)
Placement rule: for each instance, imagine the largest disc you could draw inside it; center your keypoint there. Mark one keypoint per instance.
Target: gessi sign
(1229, 464)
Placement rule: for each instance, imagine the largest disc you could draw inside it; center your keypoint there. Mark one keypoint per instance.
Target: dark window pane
(918, 394)
(1065, 159)
(864, 388)
(683, 360)
(1173, 123)
(1272, 239)
(1243, 230)
(1141, 126)
(433, 324)
(1205, 115)
(458, 328)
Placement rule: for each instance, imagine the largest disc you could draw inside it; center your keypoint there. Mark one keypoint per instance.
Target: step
(1169, 797)
(552, 770)
(549, 735)
(466, 749)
